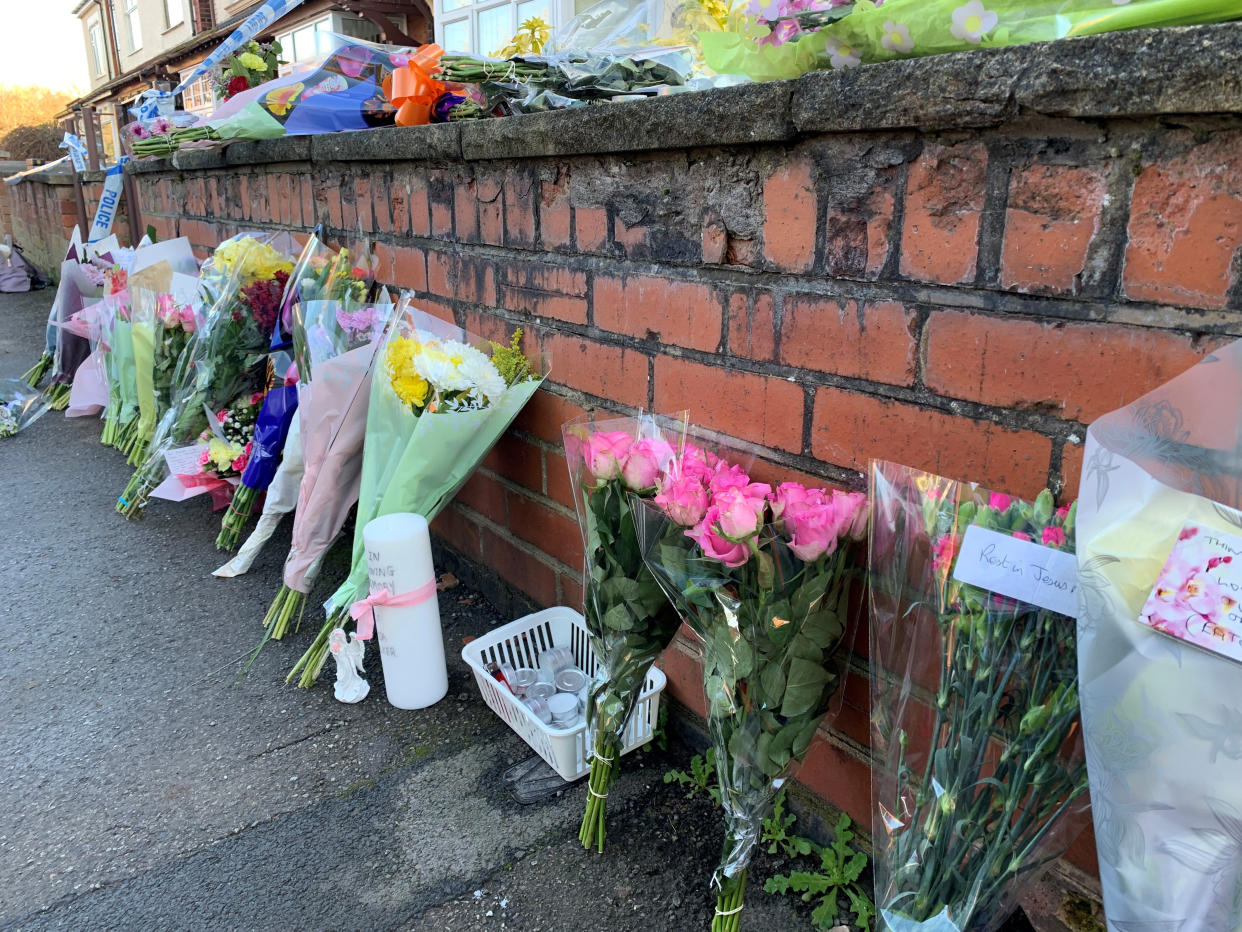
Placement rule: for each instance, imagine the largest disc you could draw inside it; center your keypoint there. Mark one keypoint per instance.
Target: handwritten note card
(1019, 569)
(1195, 598)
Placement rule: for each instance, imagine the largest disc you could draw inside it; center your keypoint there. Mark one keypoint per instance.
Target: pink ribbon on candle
(363, 611)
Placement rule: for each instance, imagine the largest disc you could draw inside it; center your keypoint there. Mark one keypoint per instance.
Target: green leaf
(804, 687)
(824, 628)
(771, 686)
(618, 618)
(802, 740)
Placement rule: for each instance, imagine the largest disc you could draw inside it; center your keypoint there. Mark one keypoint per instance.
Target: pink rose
(239, 464)
(188, 323)
(815, 526)
(1000, 501)
(738, 515)
(1063, 511)
(856, 514)
(696, 461)
(644, 462)
(222, 415)
(792, 495)
(1053, 537)
(683, 499)
(204, 458)
(716, 547)
(605, 453)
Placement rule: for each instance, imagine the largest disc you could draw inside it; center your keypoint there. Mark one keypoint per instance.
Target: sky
(41, 43)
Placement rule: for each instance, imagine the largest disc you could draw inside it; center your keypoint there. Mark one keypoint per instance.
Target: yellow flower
(222, 453)
(717, 9)
(252, 61)
(409, 386)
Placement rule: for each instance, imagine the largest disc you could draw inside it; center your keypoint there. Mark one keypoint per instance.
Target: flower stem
(235, 517)
(34, 375)
(603, 770)
(287, 604)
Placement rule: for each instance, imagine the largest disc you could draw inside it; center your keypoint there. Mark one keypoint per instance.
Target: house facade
(133, 45)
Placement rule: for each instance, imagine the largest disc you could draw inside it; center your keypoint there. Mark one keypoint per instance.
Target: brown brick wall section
(966, 304)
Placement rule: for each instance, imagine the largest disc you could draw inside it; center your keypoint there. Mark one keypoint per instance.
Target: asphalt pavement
(149, 785)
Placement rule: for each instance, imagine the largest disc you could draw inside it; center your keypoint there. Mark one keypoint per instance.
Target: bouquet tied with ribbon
(225, 356)
(629, 617)
(761, 576)
(439, 401)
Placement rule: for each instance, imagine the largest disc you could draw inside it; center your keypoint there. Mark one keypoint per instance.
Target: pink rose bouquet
(760, 575)
(627, 614)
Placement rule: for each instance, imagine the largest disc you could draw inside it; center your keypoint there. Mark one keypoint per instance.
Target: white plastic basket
(567, 750)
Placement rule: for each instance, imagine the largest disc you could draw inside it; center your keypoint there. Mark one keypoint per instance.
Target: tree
(29, 105)
(33, 142)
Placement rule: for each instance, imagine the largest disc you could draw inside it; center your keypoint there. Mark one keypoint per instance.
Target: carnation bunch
(760, 575)
(975, 706)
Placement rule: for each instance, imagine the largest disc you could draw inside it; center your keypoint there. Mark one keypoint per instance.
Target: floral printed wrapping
(1161, 717)
(771, 39)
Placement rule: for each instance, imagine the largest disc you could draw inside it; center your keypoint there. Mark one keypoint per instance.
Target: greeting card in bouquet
(1158, 543)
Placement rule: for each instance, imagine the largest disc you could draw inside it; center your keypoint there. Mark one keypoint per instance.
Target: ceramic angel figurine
(350, 686)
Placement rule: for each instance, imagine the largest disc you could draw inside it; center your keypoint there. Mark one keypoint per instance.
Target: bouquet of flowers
(438, 404)
(1159, 642)
(785, 38)
(20, 406)
(761, 577)
(320, 276)
(974, 697)
(225, 356)
(334, 351)
(217, 457)
(90, 260)
(252, 65)
(76, 290)
(626, 611)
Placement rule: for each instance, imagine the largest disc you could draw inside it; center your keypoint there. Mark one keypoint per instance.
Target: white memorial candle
(410, 639)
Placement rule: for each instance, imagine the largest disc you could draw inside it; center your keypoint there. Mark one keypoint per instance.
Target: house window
(134, 28)
(95, 33)
(200, 96)
(485, 26)
(301, 44)
(174, 13)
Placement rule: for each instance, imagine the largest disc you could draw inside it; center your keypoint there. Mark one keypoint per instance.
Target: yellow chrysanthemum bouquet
(440, 399)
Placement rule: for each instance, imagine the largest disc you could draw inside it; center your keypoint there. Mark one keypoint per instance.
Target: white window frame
(171, 7)
(561, 12)
(322, 24)
(133, 25)
(200, 95)
(95, 39)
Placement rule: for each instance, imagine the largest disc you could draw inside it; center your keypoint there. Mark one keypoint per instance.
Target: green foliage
(659, 737)
(776, 831)
(841, 865)
(700, 777)
(510, 361)
(33, 142)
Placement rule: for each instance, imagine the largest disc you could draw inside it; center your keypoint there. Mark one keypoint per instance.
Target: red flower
(236, 86)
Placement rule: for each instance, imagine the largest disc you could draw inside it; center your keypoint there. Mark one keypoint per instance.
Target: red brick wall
(965, 303)
(43, 215)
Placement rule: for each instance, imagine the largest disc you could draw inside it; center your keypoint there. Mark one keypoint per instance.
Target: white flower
(440, 364)
(842, 55)
(896, 37)
(481, 373)
(971, 21)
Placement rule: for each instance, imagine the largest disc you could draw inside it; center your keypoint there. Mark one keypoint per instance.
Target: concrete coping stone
(1136, 73)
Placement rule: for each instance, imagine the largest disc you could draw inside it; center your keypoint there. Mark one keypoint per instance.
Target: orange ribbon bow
(412, 89)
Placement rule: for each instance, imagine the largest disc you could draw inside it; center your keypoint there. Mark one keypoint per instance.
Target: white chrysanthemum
(440, 364)
(481, 373)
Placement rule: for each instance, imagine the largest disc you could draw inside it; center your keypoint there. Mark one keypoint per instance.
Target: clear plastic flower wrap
(1159, 646)
(628, 615)
(343, 279)
(761, 576)
(440, 399)
(980, 778)
(20, 406)
(241, 284)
